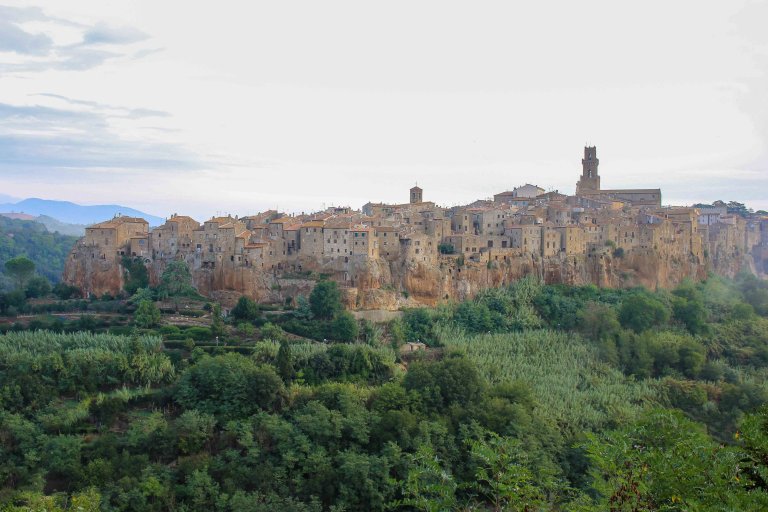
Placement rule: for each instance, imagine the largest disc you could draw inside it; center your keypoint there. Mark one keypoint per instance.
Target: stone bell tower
(416, 195)
(590, 180)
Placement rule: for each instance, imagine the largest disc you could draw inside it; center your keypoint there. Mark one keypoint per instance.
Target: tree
(642, 311)
(230, 386)
(428, 487)
(193, 429)
(344, 327)
(147, 314)
(418, 325)
(142, 294)
(598, 321)
(502, 475)
(245, 310)
(217, 324)
(20, 269)
(664, 461)
(65, 291)
(38, 286)
(303, 310)
(325, 300)
(136, 274)
(284, 362)
(453, 381)
(176, 282)
(474, 317)
(688, 307)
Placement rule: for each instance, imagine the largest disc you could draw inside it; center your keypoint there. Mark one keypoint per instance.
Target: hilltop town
(386, 256)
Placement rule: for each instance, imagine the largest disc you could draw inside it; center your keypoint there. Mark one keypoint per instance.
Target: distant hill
(31, 239)
(55, 225)
(72, 213)
(18, 216)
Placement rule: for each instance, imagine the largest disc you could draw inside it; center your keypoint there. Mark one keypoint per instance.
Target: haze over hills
(72, 213)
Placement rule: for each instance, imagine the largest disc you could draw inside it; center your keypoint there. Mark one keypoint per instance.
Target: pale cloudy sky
(199, 107)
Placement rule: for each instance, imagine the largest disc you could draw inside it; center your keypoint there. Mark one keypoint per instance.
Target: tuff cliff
(390, 285)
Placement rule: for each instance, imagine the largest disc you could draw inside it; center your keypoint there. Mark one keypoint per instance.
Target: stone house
(174, 237)
(112, 239)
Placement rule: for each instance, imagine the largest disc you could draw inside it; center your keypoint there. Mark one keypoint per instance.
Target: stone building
(174, 237)
(112, 238)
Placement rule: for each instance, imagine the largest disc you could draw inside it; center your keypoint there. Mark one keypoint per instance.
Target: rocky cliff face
(378, 284)
(93, 275)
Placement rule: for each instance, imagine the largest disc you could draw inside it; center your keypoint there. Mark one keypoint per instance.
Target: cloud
(24, 14)
(104, 34)
(57, 141)
(14, 39)
(109, 110)
(44, 54)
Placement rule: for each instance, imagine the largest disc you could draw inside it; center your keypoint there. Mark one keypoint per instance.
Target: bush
(246, 310)
(38, 286)
(446, 249)
(199, 333)
(344, 327)
(272, 332)
(147, 314)
(419, 324)
(192, 313)
(64, 291)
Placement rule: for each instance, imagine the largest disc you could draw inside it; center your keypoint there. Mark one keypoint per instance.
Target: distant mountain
(72, 213)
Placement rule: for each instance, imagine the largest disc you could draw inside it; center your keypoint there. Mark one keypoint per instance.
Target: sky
(207, 108)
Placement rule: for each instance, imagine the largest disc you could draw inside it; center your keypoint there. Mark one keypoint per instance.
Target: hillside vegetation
(527, 398)
(31, 239)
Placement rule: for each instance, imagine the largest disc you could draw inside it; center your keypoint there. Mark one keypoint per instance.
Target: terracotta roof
(220, 220)
(117, 221)
(180, 218)
(336, 223)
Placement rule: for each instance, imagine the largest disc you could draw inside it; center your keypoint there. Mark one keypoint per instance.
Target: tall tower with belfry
(416, 195)
(590, 180)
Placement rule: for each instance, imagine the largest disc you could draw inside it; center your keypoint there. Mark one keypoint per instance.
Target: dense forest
(48, 250)
(527, 398)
